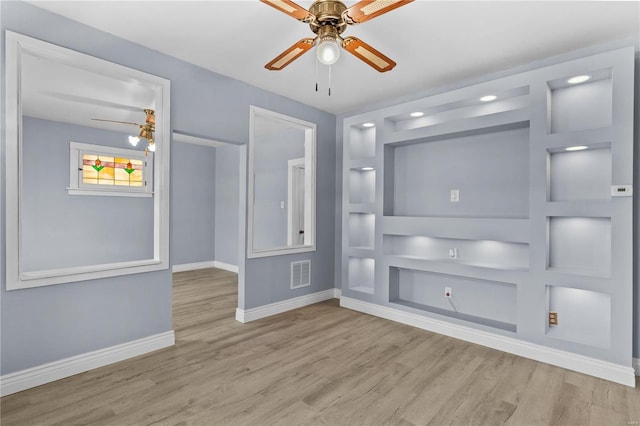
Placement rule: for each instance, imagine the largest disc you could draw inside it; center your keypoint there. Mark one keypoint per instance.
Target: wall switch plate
(453, 253)
(454, 195)
(282, 204)
(553, 318)
(621, 190)
(447, 292)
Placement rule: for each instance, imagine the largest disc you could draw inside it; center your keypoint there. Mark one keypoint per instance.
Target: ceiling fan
(146, 129)
(328, 19)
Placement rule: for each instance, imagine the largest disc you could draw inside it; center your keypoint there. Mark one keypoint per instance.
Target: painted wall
(193, 199)
(227, 204)
(62, 230)
(48, 323)
(548, 61)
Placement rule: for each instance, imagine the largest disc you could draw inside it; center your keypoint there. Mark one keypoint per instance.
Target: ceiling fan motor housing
(328, 13)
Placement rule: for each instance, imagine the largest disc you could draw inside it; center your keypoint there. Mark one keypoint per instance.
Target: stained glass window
(104, 168)
(108, 170)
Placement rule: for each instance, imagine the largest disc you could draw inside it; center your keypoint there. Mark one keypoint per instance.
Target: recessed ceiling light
(417, 114)
(578, 79)
(366, 169)
(576, 148)
(368, 124)
(488, 98)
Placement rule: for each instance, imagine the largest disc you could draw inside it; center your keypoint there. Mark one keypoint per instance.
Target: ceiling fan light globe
(328, 51)
(133, 140)
(152, 147)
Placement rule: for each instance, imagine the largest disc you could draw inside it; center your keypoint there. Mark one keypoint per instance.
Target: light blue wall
(45, 324)
(227, 204)
(61, 230)
(193, 199)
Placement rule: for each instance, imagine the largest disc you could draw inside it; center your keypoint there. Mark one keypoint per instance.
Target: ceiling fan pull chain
(316, 74)
(329, 80)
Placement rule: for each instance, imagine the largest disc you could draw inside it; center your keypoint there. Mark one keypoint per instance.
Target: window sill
(108, 193)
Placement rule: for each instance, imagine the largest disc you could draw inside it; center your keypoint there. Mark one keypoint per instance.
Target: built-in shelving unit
(492, 207)
(359, 195)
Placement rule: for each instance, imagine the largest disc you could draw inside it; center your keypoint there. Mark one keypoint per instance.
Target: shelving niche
(359, 197)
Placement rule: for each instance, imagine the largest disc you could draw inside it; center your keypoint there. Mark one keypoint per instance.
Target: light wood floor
(317, 365)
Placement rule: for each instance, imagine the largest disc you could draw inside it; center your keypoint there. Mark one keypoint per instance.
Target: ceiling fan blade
(368, 9)
(289, 55)
(290, 8)
(114, 121)
(368, 54)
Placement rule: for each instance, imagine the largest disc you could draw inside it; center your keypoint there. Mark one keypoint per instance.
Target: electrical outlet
(447, 292)
(453, 253)
(553, 318)
(454, 195)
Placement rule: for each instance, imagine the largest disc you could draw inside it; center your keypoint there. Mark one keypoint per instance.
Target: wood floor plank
(319, 365)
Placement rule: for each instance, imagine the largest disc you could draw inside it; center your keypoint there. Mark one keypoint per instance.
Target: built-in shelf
(361, 230)
(583, 316)
(482, 302)
(361, 274)
(587, 105)
(362, 186)
(489, 172)
(481, 254)
(580, 244)
(580, 175)
(510, 230)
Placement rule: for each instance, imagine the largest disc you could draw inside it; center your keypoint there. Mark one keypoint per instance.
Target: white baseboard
(337, 293)
(193, 266)
(253, 314)
(52, 371)
(636, 366)
(582, 364)
(204, 265)
(226, 266)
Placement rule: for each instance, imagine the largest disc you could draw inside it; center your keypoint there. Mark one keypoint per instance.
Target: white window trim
(16, 278)
(76, 187)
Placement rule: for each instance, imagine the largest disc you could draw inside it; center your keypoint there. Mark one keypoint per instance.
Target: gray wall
(61, 230)
(479, 79)
(227, 204)
(45, 324)
(193, 168)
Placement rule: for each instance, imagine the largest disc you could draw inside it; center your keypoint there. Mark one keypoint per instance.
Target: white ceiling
(434, 42)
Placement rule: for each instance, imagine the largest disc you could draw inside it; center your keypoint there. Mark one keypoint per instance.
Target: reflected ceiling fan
(328, 19)
(146, 129)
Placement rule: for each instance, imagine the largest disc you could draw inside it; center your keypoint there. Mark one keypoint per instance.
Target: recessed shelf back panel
(582, 106)
(483, 253)
(583, 316)
(479, 301)
(489, 171)
(580, 245)
(361, 274)
(362, 143)
(361, 230)
(362, 186)
(580, 175)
